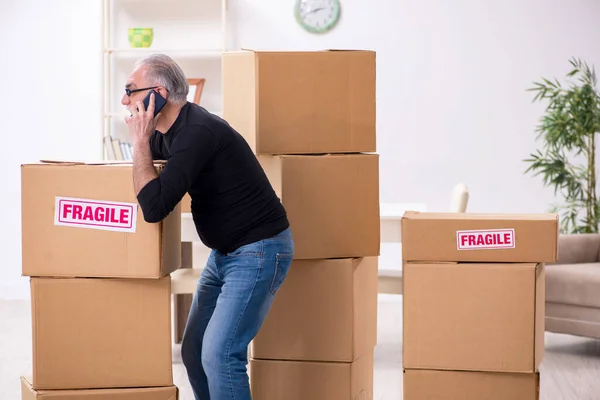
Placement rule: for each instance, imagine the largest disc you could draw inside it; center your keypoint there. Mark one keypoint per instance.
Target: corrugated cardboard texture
(301, 380)
(326, 310)
(434, 237)
(101, 333)
(478, 317)
(156, 393)
(154, 249)
(332, 202)
(453, 385)
(302, 102)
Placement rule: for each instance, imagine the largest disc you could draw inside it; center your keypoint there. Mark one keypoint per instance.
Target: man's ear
(163, 92)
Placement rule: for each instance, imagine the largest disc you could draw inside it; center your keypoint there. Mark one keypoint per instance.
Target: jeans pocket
(282, 266)
(248, 250)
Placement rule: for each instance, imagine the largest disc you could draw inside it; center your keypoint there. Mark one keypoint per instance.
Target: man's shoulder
(195, 114)
(198, 119)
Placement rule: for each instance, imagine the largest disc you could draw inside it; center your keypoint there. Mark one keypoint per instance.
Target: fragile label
(95, 214)
(485, 239)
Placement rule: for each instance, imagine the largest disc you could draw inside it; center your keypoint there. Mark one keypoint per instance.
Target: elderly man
(236, 212)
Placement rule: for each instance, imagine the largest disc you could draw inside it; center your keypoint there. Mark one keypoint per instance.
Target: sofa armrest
(578, 248)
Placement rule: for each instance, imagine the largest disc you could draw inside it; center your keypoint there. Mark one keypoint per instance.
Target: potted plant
(567, 161)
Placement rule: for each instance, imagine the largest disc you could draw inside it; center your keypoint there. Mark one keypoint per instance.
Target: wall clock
(317, 16)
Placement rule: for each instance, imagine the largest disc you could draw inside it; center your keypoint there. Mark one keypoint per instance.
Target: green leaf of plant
(567, 130)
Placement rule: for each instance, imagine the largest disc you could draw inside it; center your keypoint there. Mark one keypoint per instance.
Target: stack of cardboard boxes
(474, 296)
(310, 119)
(100, 285)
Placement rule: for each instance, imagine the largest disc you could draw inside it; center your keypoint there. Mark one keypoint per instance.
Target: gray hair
(163, 71)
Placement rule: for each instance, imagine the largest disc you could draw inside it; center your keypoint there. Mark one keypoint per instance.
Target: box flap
(352, 50)
(97, 162)
(244, 49)
(478, 216)
(81, 162)
(323, 155)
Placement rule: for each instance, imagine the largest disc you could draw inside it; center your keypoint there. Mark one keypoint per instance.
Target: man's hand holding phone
(143, 120)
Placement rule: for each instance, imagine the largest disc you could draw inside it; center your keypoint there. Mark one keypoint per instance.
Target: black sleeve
(156, 146)
(190, 151)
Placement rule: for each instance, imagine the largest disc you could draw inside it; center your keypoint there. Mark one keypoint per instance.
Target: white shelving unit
(192, 32)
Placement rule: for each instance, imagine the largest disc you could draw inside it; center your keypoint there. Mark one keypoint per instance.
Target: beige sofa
(573, 287)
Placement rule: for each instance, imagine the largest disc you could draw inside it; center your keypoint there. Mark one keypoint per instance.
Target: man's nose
(125, 100)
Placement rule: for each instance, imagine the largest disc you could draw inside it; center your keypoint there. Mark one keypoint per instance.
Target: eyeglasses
(129, 92)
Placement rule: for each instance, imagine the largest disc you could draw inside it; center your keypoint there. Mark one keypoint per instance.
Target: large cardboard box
(332, 202)
(326, 310)
(301, 102)
(473, 316)
(479, 237)
(147, 393)
(453, 385)
(83, 220)
(93, 333)
(301, 380)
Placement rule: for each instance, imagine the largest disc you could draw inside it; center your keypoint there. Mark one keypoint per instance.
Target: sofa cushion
(577, 284)
(578, 248)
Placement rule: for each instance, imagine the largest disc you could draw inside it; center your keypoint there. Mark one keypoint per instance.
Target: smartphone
(159, 101)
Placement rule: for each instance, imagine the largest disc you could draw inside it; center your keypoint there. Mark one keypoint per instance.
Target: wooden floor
(570, 369)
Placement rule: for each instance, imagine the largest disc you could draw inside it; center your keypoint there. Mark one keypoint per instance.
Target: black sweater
(232, 201)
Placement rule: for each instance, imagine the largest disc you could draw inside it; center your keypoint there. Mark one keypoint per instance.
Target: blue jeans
(233, 297)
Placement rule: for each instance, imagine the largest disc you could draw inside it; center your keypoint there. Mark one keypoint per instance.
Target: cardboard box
(452, 385)
(332, 202)
(186, 204)
(479, 237)
(93, 333)
(473, 316)
(83, 220)
(326, 310)
(150, 393)
(302, 102)
(301, 380)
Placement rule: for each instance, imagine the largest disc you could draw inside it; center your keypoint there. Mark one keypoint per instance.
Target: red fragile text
(488, 239)
(95, 214)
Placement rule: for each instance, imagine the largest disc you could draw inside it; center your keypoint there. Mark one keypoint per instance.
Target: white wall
(451, 86)
(49, 104)
(451, 81)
